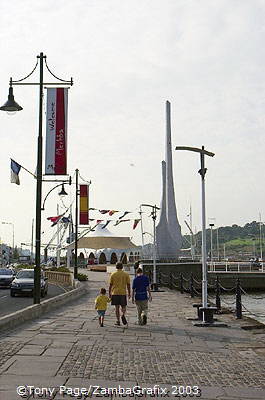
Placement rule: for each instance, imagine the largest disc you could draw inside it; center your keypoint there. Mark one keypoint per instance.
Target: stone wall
(176, 268)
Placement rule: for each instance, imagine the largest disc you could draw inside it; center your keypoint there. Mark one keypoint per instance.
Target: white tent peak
(101, 239)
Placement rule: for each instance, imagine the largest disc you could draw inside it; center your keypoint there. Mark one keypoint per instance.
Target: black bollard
(192, 293)
(181, 283)
(238, 300)
(218, 292)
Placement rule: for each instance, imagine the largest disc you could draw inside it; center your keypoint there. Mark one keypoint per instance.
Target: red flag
(54, 220)
(136, 222)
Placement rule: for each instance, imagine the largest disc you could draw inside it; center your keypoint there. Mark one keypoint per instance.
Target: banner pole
(76, 222)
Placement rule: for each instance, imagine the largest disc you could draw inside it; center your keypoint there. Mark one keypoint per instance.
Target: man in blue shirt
(141, 295)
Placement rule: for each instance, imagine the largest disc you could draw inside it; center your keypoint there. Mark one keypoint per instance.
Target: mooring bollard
(192, 293)
(238, 300)
(181, 283)
(171, 280)
(218, 292)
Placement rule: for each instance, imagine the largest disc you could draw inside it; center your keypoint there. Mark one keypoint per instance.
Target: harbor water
(253, 304)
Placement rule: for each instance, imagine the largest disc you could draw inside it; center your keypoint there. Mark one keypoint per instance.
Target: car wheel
(12, 294)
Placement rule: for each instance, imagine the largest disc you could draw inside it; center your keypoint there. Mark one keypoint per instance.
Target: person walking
(101, 304)
(119, 286)
(140, 295)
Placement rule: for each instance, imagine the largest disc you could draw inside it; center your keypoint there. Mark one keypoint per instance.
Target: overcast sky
(127, 58)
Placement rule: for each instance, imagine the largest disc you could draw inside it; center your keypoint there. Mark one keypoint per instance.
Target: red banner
(56, 132)
(83, 210)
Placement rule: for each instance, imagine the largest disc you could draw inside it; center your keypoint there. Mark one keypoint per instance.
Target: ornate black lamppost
(11, 106)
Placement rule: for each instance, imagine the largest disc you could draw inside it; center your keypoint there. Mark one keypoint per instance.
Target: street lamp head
(63, 192)
(10, 105)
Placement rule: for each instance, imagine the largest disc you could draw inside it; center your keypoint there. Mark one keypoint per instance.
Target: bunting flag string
(125, 213)
(121, 220)
(117, 222)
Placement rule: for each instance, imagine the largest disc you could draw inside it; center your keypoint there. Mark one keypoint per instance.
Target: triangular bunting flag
(104, 226)
(125, 213)
(136, 222)
(54, 220)
(111, 212)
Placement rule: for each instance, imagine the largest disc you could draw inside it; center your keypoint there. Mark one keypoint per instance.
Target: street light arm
(149, 205)
(42, 208)
(196, 149)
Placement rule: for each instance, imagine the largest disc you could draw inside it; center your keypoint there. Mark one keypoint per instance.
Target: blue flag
(15, 168)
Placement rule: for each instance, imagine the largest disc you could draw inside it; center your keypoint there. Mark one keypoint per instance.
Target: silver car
(24, 283)
(6, 277)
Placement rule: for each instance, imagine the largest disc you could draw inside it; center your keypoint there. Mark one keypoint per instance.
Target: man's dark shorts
(119, 300)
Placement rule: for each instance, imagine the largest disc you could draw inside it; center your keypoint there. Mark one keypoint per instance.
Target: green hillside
(235, 239)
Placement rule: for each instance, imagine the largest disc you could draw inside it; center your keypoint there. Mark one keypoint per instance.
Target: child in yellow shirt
(101, 304)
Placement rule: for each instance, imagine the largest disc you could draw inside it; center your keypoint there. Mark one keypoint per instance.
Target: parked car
(24, 283)
(6, 277)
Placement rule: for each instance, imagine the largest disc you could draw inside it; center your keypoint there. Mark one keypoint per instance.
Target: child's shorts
(101, 313)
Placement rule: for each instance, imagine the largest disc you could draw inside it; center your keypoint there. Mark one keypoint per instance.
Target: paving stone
(226, 363)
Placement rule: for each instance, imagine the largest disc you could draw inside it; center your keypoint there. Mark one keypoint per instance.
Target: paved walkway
(66, 350)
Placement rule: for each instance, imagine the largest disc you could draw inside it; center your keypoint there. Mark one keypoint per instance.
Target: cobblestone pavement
(68, 348)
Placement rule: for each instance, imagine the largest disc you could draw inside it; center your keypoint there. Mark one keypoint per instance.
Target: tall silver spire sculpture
(168, 231)
(165, 244)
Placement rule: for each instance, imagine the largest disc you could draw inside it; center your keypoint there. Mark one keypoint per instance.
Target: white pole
(154, 247)
(32, 240)
(58, 242)
(217, 240)
(204, 264)
(142, 230)
(211, 226)
(260, 239)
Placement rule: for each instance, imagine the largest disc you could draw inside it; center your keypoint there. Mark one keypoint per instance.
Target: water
(254, 304)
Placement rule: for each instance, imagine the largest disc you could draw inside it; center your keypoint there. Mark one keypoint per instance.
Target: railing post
(181, 283)
(191, 285)
(218, 292)
(171, 280)
(159, 278)
(238, 300)
(150, 276)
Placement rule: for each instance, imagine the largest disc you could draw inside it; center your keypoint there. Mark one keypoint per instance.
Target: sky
(127, 58)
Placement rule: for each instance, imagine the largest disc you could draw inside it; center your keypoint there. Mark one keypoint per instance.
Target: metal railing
(232, 266)
(188, 284)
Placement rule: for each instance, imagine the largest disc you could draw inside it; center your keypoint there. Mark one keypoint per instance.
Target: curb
(36, 310)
